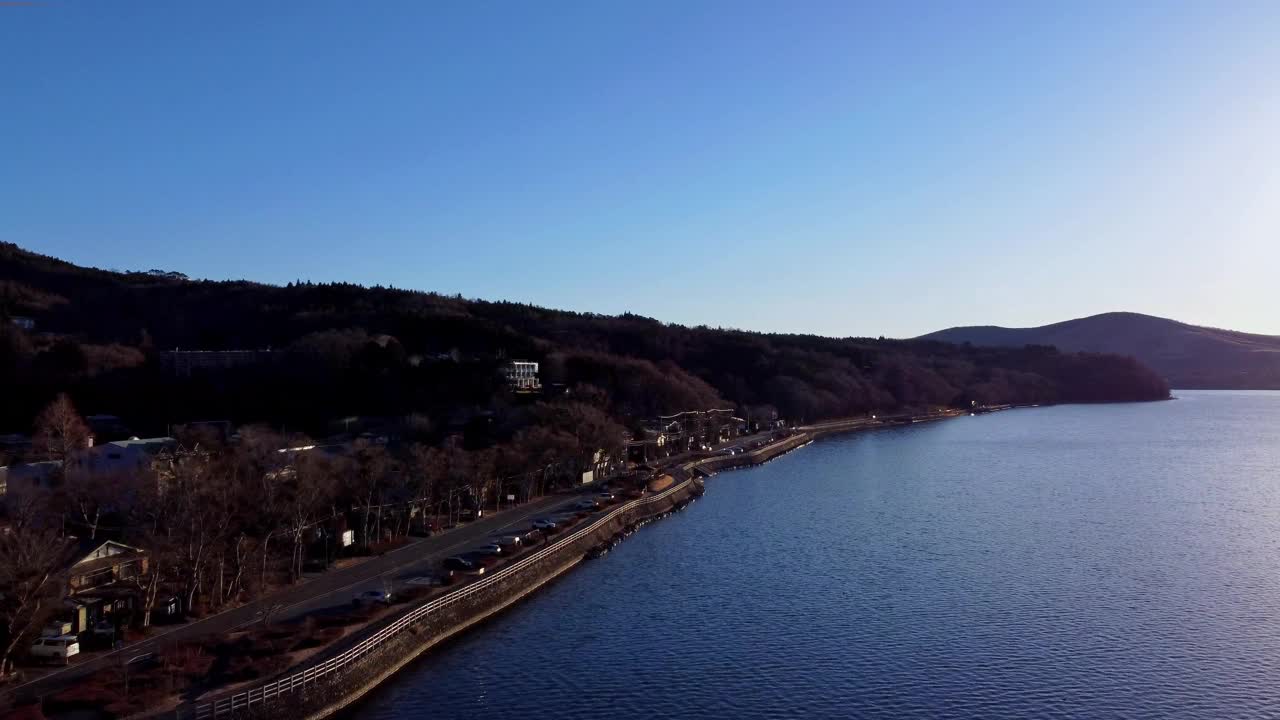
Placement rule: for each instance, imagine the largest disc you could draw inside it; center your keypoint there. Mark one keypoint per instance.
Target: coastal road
(323, 590)
(426, 560)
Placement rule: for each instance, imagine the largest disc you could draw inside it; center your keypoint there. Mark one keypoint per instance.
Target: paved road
(332, 588)
(426, 556)
(742, 442)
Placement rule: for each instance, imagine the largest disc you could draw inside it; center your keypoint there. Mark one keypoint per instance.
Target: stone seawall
(323, 696)
(754, 457)
(808, 434)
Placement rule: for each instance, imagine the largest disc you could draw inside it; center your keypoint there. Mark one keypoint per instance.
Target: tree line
(223, 523)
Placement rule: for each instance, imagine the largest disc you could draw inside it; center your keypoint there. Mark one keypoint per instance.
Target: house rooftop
(326, 448)
(88, 549)
(155, 443)
(695, 412)
(143, 441)
(34, 466)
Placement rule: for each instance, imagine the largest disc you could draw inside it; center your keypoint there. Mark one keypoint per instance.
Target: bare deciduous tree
(84, 497)
(458, 478)
(307, 494)
(367, 480)
(485, 477)
(60, 431)
(427, 466)
(32, 564)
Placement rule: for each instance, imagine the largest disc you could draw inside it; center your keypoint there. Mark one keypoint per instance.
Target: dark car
(458, 563)
(508, 542)
(528, 537)
(372, 597)
(479, 558)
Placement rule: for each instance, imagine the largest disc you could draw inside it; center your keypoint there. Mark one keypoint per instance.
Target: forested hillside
(434, 362)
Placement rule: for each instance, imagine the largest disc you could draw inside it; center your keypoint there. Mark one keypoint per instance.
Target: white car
(544, 524)
(370, 597)
(56, 648)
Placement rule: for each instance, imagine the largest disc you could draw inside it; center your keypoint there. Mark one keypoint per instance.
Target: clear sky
(842, 168)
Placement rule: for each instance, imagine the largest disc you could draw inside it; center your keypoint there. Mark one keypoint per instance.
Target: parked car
(371, 597)
(494, 549)
(479, 558)
(103, 635)
(585, 504)
(459, 563)
(544, 524)
(57, 649)
(509, 541)
(58, 628)
(145, 661)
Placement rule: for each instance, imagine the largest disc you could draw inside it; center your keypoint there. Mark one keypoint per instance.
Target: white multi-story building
(185, 363)
(522, 376)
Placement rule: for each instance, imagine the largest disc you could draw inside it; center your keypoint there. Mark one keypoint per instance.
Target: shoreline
(324, 689)
(339, 694)
(360, 693)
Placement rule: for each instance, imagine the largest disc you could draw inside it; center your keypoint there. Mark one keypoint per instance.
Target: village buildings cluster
(109, 578)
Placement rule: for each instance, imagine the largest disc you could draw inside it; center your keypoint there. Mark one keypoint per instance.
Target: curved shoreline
(317, 700)
(359, 694)
(758, 456)
(322, 690)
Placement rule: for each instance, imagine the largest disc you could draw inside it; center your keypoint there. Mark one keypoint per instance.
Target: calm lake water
(1117, 561)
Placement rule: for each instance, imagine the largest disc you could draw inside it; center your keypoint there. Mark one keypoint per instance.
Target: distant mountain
(1188, 356)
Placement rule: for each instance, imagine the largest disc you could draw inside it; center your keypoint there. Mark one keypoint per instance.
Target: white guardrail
(299, 680)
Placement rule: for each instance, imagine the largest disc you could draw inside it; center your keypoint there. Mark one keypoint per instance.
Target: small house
(106, 562)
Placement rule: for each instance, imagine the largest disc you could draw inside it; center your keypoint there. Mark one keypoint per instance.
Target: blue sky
(839, 168)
